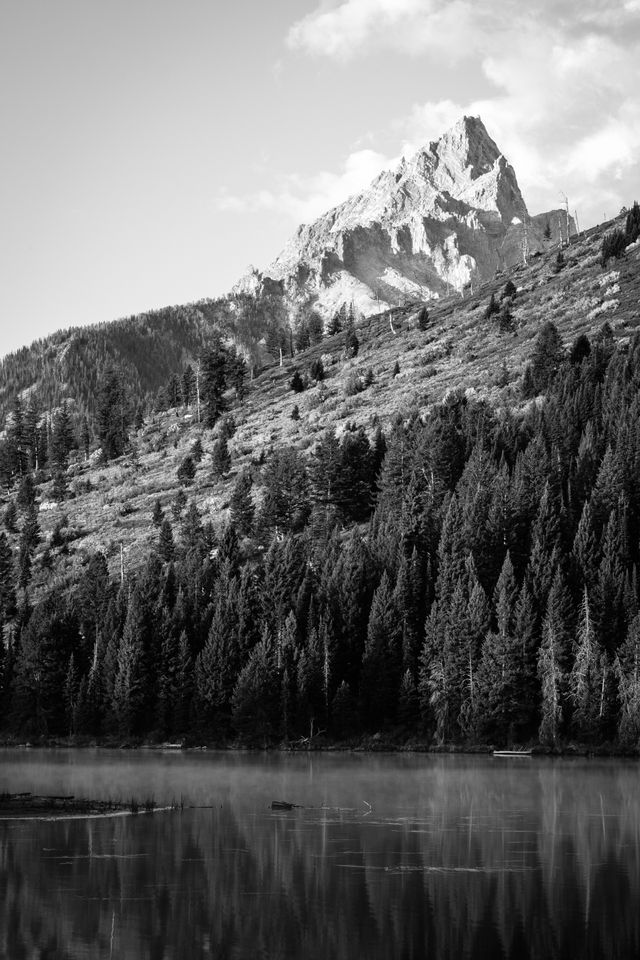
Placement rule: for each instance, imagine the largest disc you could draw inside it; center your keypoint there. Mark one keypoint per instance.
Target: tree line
(469, 576)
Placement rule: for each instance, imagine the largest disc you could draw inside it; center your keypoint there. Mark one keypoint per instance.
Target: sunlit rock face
(451, 215)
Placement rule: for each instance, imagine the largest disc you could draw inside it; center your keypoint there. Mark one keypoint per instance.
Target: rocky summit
(449, 217)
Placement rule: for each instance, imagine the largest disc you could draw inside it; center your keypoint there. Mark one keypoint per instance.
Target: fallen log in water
(33, 805)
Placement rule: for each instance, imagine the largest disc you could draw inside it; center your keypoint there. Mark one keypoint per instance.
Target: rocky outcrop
(451, 215)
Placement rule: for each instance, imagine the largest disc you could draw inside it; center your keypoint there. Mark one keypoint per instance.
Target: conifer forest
(467, 577)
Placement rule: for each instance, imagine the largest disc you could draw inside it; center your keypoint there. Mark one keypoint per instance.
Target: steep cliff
(449, 216)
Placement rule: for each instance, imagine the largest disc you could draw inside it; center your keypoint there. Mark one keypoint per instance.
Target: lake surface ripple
(388, 856)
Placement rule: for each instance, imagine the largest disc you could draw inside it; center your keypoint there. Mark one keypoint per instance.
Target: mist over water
(389, 856)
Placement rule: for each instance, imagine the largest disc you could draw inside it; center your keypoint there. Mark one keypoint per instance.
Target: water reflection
(455, 857)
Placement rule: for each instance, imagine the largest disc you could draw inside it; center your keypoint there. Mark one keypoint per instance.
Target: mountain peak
(469, 140)
(449, 216)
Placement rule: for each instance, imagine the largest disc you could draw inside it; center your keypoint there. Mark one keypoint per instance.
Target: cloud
(559, 95)
(561, 103)
(304, 198)
(342, 31)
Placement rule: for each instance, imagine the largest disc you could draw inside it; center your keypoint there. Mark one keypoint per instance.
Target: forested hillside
(146, 349)
(311, 552)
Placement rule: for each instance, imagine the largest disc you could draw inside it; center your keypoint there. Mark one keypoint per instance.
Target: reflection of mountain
(458, 859)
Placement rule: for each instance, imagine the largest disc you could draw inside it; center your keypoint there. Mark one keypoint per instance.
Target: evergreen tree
(551, 663)
(285, 504)
(7, 590)
(220, 458)
(588, 679)
(188, 386)
(241, 505)
(112, 415)
(382, 659)
(296, 383)
(423, 318)
(187, 471)
(62, 438)
(166, 545)
(130, 691)
(157, 515)
(256, 695)
(547, 357)
(11, 517)
(29, 540)
(351, 342)
(213, 384)
(627, 668)
(197, 452)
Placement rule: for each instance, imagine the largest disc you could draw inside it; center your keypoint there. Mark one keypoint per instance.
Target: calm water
(408, 857)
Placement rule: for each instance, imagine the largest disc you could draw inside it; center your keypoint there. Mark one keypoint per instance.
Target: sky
(151, 150)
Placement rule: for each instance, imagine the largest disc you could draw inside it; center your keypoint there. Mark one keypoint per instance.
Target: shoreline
(364, 745)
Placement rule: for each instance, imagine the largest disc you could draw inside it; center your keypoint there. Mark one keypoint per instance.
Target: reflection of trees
(483, 860)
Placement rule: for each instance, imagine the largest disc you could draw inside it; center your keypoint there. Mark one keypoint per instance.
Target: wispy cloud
(563, 80)
(304, 198)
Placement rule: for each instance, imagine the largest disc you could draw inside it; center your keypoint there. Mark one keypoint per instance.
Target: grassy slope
(459, 349)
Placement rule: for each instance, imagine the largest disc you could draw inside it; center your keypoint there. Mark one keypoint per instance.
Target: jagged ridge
(450, 216)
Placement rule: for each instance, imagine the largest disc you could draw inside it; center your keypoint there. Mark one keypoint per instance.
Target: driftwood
(284, 805)
(29, 804)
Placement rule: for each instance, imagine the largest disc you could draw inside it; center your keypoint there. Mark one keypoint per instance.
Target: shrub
(316, 371)
(509, 291)
(492, 307)
(197, 452)
(296, 383)
(613, 245)
(227, 428)
(353, 385)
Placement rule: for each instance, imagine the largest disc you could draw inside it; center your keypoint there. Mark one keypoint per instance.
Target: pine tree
(188, 385)
(11, 517)
(213, 379)
(131, 690)
(173, 392)
(256, 695)
(29, 540)
(241, 504)
(62, 438)
(296, 383)
(7, 589)
(551, 661)
(588, 679)
(382, 659)
(423, 318)
(492, 307)
(157, 515)
(166, 545)
(113, 415)
(500, 671)
(220, 458)
(187, 471)
(627, 668)
(285, 504)
(351, 342)
(192, 532)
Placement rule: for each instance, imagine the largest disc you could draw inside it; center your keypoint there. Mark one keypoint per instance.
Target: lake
(407, 856)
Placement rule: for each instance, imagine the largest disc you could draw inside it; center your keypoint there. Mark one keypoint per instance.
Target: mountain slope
(450, 216)
(110, 505)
